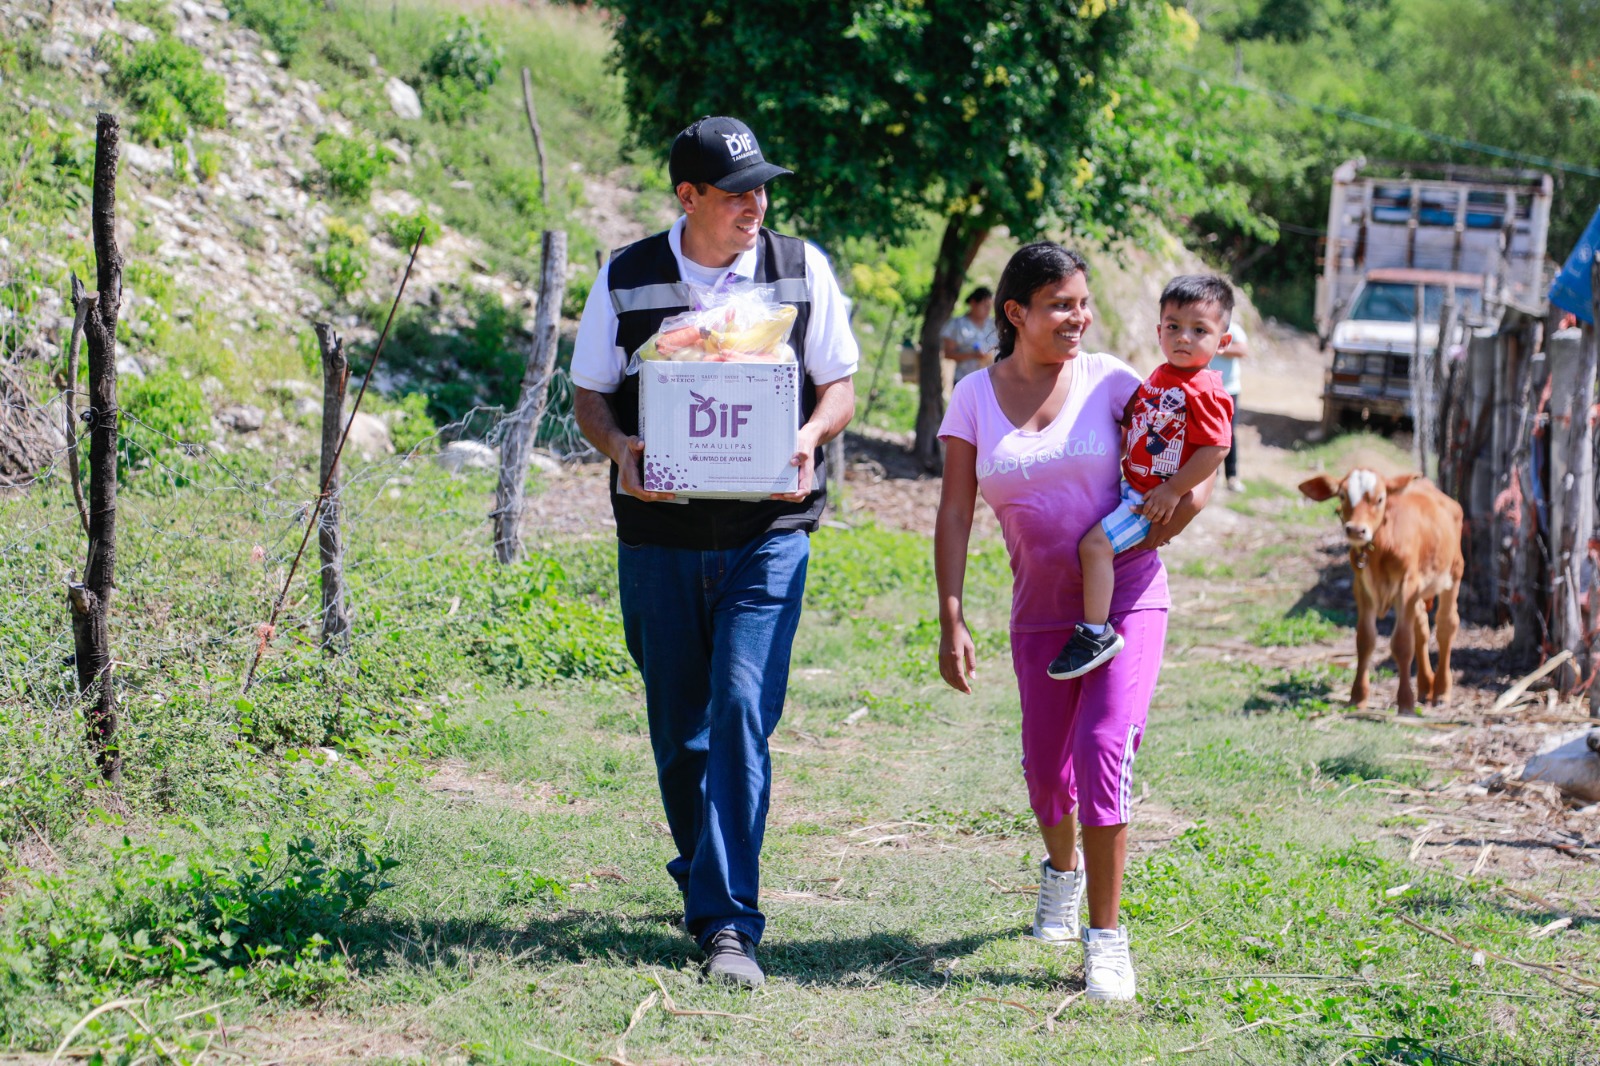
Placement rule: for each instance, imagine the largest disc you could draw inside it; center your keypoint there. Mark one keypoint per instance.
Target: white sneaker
(1108, 971)
(1055, 919)
(1235, 485)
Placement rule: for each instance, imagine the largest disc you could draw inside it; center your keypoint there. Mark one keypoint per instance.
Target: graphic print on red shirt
(1174, 412)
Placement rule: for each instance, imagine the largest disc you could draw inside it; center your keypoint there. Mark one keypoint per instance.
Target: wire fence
(206, 533)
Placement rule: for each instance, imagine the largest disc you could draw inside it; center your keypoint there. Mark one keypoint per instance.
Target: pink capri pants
(1079, 737)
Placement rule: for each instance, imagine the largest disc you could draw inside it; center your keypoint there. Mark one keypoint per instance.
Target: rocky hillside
(295, 203)
(271, 180)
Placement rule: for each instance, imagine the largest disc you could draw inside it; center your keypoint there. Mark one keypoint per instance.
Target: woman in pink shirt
(1037, 433)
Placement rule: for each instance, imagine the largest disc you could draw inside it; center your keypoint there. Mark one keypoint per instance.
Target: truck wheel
(1332, 415)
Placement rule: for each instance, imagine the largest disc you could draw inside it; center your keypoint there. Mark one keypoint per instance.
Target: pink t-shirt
(1048, 487)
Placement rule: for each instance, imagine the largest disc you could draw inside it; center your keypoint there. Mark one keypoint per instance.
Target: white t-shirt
(968, 336)
(830, 350)
(1228, 367)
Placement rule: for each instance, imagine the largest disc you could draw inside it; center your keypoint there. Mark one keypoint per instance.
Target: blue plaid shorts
(1123, 527)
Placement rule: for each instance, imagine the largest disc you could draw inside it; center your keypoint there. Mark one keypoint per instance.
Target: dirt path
(1280, 413)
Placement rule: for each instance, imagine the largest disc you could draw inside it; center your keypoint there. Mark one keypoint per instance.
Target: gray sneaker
(731, 957)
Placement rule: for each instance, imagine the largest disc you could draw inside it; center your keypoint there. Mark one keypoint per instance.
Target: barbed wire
(206, 532)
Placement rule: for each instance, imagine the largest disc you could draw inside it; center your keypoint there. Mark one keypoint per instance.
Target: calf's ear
(1398, 482)
(1322, 487)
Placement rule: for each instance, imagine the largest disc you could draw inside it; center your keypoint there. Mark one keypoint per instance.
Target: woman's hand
(958, 657)
(1190, 504)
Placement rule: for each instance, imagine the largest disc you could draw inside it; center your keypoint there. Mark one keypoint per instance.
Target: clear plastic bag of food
(740, 323)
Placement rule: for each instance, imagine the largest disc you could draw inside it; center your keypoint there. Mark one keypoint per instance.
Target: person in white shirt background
(970, 339)
(1227, 363)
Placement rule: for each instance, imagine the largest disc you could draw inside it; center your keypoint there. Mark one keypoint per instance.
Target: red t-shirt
(1173, 413)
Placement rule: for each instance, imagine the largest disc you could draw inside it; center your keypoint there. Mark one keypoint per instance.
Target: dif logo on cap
(720, 151)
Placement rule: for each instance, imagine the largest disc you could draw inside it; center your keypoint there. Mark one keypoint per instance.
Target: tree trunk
(962, 239)
(330, 540)
(91, 600)
(521, 427)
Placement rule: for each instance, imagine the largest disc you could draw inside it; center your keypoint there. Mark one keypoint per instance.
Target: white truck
(1401, 238)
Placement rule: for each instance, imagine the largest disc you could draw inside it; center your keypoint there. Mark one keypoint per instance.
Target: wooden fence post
(1421, 424)
(521, 427)
(91, 599)
(835, 455)
(1572, 501)
(330, 540)
(1591, 348)
(1528, 584)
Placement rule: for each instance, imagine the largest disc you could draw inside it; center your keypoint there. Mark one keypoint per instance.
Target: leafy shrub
(350, 165)
(160, 413)
(457, 368)
(264, 918)
(342, 263)
(410, 427)
(462, 67)
(403, 230)
(281, 22)
(347, 55)
(534, 632)
(166, 82)
(156, 14)
(466, 55)
(452, 101)
(207, 163)
(577, 294)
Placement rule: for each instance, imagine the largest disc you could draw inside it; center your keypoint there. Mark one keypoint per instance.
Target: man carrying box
(711, 588)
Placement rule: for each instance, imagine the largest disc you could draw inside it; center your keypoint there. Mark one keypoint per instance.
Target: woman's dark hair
(1032, 268)
(980, 293)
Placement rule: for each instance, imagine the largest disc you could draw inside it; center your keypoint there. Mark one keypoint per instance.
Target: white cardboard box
(720, 430)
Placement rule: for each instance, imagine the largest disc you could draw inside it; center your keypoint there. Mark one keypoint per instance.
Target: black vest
(646, 288)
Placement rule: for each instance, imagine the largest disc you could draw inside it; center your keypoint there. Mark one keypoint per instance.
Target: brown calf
(1405, 549)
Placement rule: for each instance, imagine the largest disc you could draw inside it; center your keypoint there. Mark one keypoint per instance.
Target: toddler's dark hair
(980, 293)
(1031, 268)
(1188, 289)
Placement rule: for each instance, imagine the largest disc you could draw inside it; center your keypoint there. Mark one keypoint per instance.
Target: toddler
(1179, 429)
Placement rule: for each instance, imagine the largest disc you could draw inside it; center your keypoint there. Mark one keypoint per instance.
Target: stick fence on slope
(1517, 446)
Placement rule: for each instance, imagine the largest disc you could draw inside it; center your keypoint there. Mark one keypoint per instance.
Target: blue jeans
(711, 632)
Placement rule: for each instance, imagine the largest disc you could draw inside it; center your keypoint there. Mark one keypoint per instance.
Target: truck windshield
(1393, 301)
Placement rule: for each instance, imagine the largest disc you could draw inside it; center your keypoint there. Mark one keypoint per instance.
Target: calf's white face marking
(1362, 507)
(1359, 484)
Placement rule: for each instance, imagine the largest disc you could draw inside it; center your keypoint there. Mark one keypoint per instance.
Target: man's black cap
(720, 151)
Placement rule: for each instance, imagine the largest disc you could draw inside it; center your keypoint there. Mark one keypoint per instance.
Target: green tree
(1519, 77)
(894, 112)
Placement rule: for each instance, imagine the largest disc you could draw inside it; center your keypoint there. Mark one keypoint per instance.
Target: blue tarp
(1571, 291)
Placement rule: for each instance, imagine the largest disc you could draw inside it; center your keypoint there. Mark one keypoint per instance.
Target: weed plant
(350, 164)
(166, 83)
(342, 262)
(282, 23)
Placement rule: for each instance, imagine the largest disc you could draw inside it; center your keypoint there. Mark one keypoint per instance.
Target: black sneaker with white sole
(731, 958)
(1084, 652)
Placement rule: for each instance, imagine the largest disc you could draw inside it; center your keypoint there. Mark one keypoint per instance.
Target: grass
(504, 790)
(449, 843)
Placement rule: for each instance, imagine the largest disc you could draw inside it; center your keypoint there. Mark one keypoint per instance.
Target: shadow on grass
(577, 937)
(1364, 765)
(1302, 691)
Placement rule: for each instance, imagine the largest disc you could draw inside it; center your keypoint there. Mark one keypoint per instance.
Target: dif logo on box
(707, 416)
